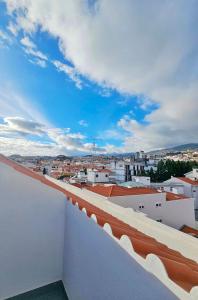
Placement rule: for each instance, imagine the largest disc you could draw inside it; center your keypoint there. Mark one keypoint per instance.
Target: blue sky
(63, 87)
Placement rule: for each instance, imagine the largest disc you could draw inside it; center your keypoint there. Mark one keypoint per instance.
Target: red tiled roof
(171, 196)
(115, 190)
(188, 180)
(183, 271)
(189, 230)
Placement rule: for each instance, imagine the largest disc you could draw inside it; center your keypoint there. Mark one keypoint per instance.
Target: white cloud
(15, 132)
(5, 39)
(138, 47)
(13, 28)
(25, 41)
(41, 63)
(36, 53)
(71, 141)
(23, 146)
(83, 123)
(113, 134)
(20, 120)
(30, 48)
(21, 126)
(70, 71)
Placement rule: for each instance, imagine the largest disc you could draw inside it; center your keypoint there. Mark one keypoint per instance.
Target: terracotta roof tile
(115, 190)
(188, 180)
(171, 196)
(189, 230)
(183, 271)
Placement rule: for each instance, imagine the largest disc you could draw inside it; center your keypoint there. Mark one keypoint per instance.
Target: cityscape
(98, 150)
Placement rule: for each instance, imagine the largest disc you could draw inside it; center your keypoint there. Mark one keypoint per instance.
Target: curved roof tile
(183, 271)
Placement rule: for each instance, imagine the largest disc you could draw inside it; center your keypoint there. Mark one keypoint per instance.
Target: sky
(97, 76)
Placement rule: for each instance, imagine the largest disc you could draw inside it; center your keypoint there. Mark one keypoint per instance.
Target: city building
(190, 184)
(98, 175)
(168, 208)
(53, 232)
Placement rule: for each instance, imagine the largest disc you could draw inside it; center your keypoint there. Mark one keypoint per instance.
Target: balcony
(46, 239)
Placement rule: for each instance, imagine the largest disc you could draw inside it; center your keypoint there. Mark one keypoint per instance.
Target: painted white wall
(146, 180)
(173, 238)
(95, 267)
(31, 233)
(173, 213)
(174, 189)
(189, 189)
(96, 177)
(179, 212)
(118, 169)
(193, 174)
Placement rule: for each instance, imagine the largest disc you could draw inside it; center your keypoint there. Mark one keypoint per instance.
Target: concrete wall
(96, 267)
(31, 233)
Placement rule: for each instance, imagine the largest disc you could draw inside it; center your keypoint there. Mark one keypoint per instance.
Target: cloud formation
(30, 48)
(21, 126)
(70, 71)
(146, 48)
(83, 123)
(5, 39)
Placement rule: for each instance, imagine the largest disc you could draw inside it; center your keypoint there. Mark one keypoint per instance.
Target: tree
(168, 168)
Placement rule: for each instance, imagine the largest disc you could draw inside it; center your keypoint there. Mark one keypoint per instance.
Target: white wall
(179, 212)
(188, 189)
(97, 268)
(175, 239)
(193, 174)
(173, 213)
(31, 233)
(134, 201)
(97, 177)
(143, 179)
(174, 189)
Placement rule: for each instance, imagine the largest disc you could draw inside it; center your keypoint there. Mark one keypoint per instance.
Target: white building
(173, 187)
(190, 186)
(118, 170)
(123, 171)
(168, 208)
(193, 174)
(45, 239)
(98, 175)
(146, 180)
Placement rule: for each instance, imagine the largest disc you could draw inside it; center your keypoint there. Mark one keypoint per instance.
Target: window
(96, 175)
(141, 206)
(106, 175)
(171, 188)
(158, 204)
